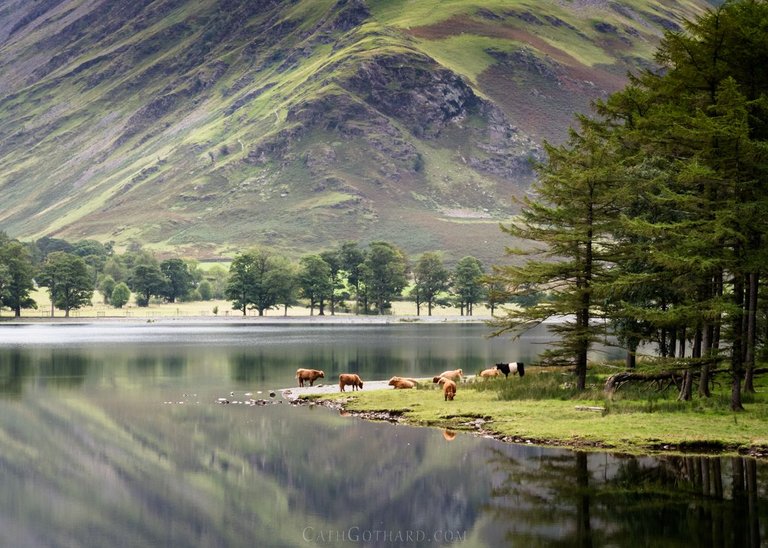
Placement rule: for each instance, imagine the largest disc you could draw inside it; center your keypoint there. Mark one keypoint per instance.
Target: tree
(334, 261)
(179, 280)
(315, 282)
(352, 259)
(115, 268)
(467, 283)
(496, 293)
(567, 225)
(17, 279)
(120, 295)
(68, 281)
(147, 281)
(384, 274)
(106, 286)
(430, 279)
(704, 121)
(217, 276)
(205, 290)
(251, 281)
(241, 282)
(286, 285)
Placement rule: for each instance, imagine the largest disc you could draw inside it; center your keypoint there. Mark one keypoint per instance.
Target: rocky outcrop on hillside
(414, 90)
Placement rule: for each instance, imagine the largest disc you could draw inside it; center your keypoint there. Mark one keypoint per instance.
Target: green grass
(545, 408)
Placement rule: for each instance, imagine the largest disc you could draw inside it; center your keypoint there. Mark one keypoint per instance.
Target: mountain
(201, 127)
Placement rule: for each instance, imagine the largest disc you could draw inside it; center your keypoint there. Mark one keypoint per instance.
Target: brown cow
(399, 382)
(350, 379)
(310, 375)
(449, 388)
(454, 375)
(488, 373)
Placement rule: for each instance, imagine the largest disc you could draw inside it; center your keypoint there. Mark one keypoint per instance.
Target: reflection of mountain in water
(377, 476)
(92, 455)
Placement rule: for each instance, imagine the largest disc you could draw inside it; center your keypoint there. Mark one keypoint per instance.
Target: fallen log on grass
(660, 380)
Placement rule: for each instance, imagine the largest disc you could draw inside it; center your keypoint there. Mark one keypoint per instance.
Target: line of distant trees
(351, 278)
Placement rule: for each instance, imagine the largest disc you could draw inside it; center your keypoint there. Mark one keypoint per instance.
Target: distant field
(194, 309)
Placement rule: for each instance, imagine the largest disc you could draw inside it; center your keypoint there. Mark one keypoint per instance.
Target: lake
(111, 435)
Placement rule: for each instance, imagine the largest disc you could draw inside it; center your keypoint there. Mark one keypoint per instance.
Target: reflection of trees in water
(577, 500)
(174, 366)
(59, 368)
(15, 367)
(247, 367)
(64, 368)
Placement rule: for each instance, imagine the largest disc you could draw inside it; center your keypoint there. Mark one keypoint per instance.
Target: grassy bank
(543, 408)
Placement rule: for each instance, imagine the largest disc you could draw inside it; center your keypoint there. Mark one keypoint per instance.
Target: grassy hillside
(200, 127)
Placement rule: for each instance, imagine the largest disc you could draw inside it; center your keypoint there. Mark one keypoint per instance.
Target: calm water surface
(110, 435)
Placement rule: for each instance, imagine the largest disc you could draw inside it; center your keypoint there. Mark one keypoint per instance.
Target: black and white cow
(512, 367)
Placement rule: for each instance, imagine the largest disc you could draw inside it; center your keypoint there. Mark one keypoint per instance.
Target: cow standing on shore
(310, 375)
(511, 368)
(350, 379)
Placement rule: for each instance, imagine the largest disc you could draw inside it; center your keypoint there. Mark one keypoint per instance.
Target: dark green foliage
(466, 281)
(16, 276)
(315, 282)
(430, 280)
(653, 215)
(147, 280)
(256, 281)
(106, 286)
(67, 278)
(179, 279)
(205, 290)
(120, 295)
(384, 274)
(572, 216)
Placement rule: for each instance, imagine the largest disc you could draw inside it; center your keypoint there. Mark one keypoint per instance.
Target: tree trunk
(736, 343)
(686, 390)
(681, 344)
(749, 353)
(672, 342)
(663, 349)
(709, 332)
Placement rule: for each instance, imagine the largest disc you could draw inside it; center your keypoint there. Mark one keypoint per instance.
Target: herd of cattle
(446, 380)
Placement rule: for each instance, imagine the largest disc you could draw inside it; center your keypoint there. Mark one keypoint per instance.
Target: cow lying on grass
(449, 387)
(490, 373)
(350, 379)
(511, 368)
(400, 382)
(454, 375)
(310, 375)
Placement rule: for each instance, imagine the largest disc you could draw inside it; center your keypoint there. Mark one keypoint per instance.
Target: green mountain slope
(201, 127)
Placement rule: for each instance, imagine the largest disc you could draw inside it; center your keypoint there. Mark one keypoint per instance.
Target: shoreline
(251, 320)
(483, 427)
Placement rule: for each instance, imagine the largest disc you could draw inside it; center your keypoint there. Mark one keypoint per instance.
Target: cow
(399, 382)
(310, 375)
(350, 379)
(511, 368)
(454, 375)
(488, 373)
(449, 388)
